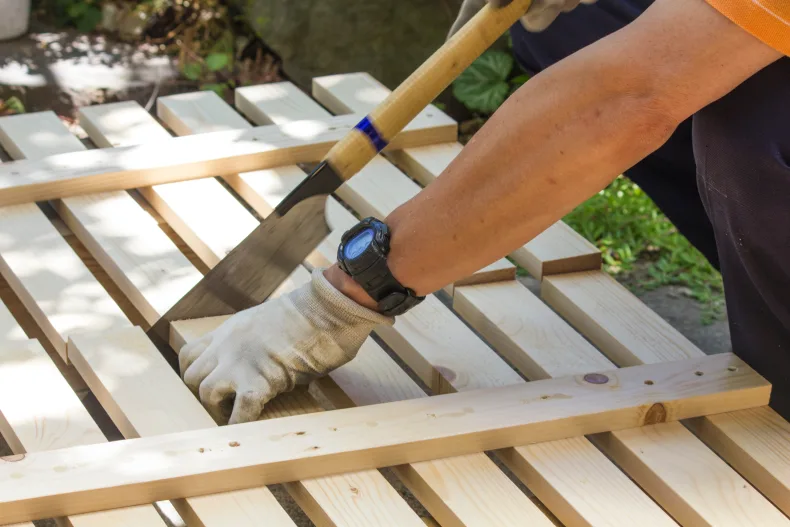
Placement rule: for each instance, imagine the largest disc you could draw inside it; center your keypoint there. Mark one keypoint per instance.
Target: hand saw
(267, 256)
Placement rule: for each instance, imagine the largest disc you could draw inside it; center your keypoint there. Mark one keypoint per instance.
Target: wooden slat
(755, 442)
(173, 466)
(450, 490)
(39, 411)
(447, 356)
(332, 497)
(52, 282)
(218, 153)
(559, 249)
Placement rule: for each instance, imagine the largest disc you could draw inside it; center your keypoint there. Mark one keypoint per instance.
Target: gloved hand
(539, 16)
(266, 350)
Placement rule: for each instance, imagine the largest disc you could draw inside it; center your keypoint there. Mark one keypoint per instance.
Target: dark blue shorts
(723, 179)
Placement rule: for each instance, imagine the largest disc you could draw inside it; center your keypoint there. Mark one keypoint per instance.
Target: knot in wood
(656, 414)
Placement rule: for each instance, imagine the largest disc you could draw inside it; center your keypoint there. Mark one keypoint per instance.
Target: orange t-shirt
(768, 20)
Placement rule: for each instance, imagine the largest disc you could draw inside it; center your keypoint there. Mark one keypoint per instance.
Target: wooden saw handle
(372, 134)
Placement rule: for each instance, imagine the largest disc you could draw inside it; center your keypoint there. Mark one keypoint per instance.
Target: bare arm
(562, 137)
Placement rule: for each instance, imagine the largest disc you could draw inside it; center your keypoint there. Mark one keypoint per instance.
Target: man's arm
(562, 137)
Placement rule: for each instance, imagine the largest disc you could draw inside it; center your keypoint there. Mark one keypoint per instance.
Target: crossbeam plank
(559, 249)
(755, 442)
(448, 357)
(450, 491)
(375, 502)
(214, 154)
(172, 466)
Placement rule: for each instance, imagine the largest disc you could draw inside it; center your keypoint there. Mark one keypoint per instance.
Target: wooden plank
(451, 490)
(447, 357)
(52, 282)
(559, 249)
(376, 501)
(755, 443)
(217, 153)
(39, 411)
(194, 463)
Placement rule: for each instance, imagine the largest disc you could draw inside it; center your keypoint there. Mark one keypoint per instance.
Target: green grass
(643, 249)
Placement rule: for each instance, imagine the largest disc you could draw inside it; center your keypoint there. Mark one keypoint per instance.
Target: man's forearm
(562, 137)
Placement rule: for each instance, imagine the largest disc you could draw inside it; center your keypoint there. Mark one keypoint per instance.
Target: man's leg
(668, 176)
(742, 148)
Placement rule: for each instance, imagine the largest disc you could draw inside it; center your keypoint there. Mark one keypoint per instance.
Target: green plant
(11, 105)
(85, 15)
(642, 247)
(487, 82)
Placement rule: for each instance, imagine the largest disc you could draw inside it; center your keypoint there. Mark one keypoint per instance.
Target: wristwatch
(362, 255)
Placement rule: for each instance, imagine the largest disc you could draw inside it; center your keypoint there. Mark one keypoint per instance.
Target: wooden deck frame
(570, 476)
(171, 466)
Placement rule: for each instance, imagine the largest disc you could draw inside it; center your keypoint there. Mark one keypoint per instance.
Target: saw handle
(373, 133)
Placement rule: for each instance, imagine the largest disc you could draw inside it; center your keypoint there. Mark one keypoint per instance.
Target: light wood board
(217, 153)
(377, 502)
(52, 282)
(451, 491)
(630, 333)
(39, 411)
(448, 356)
(171, 466)
(559, 249)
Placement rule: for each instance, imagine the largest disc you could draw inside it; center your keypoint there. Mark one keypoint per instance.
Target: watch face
(358, 244)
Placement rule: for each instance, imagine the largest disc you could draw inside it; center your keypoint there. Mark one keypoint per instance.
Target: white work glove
(539, 16)
(266, 350)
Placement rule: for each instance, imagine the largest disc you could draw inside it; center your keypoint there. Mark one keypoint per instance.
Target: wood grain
(447, 356)
(172, 466)
(692, 481)
(559, 249)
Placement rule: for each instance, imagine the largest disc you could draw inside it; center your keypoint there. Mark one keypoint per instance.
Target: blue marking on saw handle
(369, 129)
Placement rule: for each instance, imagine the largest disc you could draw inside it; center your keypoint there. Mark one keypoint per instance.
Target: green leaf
(192, 71)
(219, 89)
(483, 86)
(217, 61)
(15, 105)
(89, 19)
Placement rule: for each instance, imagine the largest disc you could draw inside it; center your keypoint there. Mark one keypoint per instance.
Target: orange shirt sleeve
(768, 20)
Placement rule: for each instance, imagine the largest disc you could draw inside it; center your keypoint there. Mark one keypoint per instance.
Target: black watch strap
(372, 273)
